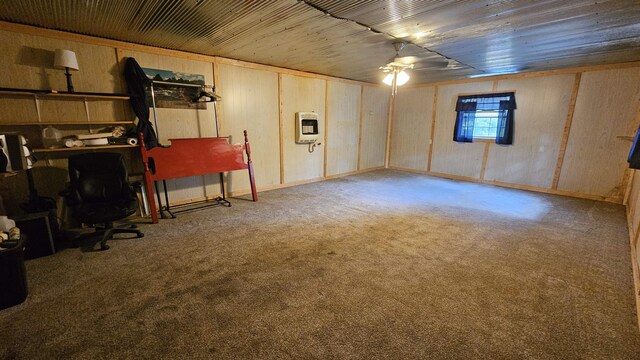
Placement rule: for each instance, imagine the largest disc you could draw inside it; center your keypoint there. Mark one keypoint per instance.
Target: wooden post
(567, 130)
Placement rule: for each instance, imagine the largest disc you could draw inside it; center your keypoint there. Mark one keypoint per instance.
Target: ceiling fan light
(402, 78)
(388, 79)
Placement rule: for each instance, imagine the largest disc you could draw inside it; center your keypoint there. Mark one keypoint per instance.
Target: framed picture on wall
(175, 97)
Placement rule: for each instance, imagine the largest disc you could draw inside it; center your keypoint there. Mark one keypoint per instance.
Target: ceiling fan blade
(432, 64)
(407, 60)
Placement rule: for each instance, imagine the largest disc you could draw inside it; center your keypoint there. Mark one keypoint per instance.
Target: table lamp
(66, 59)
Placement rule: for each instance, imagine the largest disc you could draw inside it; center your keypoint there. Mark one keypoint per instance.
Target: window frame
(493, 93)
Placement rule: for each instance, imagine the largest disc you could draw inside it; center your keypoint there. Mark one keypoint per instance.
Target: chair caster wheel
(140, 235)
(133, 226)
(104, 247)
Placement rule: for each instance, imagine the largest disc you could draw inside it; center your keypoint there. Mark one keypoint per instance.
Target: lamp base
(69, 83)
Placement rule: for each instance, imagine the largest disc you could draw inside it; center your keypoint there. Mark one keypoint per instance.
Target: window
(488, 116)
(485, 125)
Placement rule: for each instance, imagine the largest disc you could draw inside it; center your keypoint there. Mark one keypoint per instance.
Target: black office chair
(99, 193)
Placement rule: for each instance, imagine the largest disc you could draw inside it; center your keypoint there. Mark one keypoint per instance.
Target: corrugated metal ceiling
(351, 39)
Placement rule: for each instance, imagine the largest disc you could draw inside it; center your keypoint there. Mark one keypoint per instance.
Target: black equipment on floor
(99, 193)
(13, 275)
(41, 232)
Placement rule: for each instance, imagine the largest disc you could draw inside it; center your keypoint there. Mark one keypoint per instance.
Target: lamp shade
(402, 78)
(388, 79)
(65, 59)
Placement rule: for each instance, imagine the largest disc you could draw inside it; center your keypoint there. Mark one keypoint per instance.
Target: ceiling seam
(370, 28)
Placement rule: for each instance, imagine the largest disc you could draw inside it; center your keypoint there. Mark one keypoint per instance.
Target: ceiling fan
(395, 69)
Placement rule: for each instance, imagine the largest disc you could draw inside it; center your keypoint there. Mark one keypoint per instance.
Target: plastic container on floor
(13, 276)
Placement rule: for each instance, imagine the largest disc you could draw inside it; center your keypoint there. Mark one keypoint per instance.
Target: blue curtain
(634, 154)
(504, 135)
(463, 131)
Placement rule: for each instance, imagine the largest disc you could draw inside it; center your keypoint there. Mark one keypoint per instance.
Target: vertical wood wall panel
(343, 123)
(182, 123)
(633, 217)
(307, 95)
(375, 108)
(27, 63)
(606, 107)
(251, 103)
(633, 205)
(450, 157)
(539, 123)
(411, 130)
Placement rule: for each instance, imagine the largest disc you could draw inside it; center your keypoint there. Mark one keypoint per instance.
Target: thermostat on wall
(306, 127)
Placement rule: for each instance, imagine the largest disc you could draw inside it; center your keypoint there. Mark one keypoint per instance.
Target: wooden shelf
(67, 123)
(63, 94)
(81, 148)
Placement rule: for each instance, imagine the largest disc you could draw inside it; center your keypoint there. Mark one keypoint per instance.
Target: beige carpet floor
(383, 265)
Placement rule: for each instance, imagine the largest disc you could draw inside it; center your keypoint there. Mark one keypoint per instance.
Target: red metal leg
(152, 201)
(148, 182)
(252, 180)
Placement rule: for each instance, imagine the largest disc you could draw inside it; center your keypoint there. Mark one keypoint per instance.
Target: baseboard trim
(361, 171)
(614, 200)
(274, 186)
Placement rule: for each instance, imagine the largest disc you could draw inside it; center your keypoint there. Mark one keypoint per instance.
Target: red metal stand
(192, 157)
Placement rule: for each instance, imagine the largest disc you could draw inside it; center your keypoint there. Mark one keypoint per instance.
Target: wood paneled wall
(567, 133)
(450, 157)
(543, 104)
(250, 102)
(373, 127)
(301, 95)
(27, 62)
(596, 159)
(343, 126)
(261, 99)
(411, 128)
(633, 222)
(182, 123)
